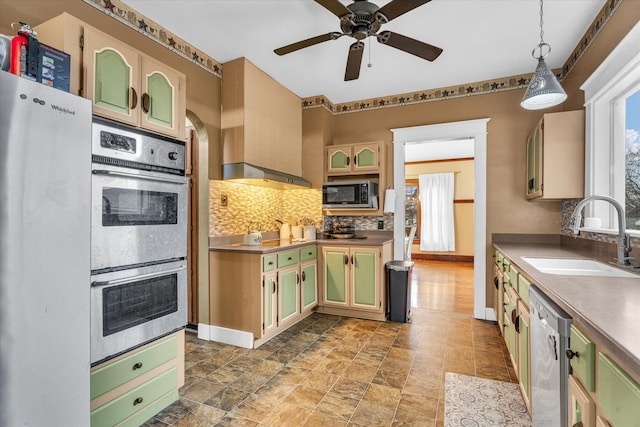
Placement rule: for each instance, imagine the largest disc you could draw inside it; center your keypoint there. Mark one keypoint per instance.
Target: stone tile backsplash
(247, 203)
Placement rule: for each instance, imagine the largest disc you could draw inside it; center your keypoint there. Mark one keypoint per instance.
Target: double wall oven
(138, 238)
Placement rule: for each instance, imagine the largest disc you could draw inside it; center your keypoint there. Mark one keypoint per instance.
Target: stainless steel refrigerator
(45, 196)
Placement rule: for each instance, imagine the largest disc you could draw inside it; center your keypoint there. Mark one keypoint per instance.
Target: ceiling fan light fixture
(544, 90)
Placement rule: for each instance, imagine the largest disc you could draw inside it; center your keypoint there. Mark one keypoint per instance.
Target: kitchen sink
(576, 267)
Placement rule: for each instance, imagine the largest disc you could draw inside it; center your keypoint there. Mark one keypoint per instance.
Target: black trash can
(399, 291)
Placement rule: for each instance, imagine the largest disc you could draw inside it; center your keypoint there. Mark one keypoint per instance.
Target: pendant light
(544, 91)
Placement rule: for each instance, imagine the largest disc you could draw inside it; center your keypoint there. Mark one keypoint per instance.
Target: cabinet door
(582, 411)
(161, 88)
(364, 278)
(523, 349)
(112, 77)
(338, 159)
(269, 303)
(534, 162)
(309, 276)
(288, 294)
(365, 157)
(335, 275)
(510, 318)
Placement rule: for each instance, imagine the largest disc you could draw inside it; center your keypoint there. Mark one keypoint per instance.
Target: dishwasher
(549, 362)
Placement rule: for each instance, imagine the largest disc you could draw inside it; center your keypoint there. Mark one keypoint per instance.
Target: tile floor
(338, 371)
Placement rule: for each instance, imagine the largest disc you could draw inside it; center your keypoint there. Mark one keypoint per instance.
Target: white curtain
(436, 203)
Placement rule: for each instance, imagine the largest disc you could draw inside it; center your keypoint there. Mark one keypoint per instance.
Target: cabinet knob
(146, 102)
(571, 354)
(133, 98)
(137, 401)
(137, 366)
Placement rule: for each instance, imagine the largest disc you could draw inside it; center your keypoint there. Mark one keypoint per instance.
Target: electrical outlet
(224, 201)
(380, 224)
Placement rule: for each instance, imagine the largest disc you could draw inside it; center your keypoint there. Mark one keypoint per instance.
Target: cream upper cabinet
(555, 157)
(363, 158)
(130, 87)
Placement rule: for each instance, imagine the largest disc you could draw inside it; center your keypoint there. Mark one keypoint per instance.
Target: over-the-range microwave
(350, 194)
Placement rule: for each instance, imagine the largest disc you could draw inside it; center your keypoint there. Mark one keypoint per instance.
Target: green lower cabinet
(618, 394)
(523, 352)
(136, 400)
(289, 297)
(309, 279)
(365, 286)
(270, 301)
(583, 363)
(335, 275)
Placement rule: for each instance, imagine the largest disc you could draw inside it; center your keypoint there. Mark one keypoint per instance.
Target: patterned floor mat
(478, 402)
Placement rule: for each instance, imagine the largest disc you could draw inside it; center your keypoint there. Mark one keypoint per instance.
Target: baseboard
(225, 335)
(435, 257)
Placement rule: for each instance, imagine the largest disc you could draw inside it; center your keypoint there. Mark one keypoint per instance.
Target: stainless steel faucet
(624, 244)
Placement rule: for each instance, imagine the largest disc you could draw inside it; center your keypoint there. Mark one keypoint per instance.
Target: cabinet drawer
(268, 263)
(523, 289)
(308, 253)
(618, 394)
(135, 400)
(584, 364)
(287, 258)
(111, 376)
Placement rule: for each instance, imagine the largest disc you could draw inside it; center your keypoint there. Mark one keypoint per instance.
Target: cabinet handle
(351, 259)
(137, 366)
(355, 160)
(274, 288)
(289, 259)
(348, 161)
(270, 262)
(495, 282)
(137, 401)
(145, 102)
(571, 354)
(346, 259)
(133, 98)
(297, 279)
(304, 276)
(531, 183)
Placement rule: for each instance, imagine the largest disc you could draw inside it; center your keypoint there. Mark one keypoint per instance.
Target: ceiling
(482, 40)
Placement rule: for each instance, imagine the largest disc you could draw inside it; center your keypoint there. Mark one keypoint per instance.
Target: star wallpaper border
(135, 20)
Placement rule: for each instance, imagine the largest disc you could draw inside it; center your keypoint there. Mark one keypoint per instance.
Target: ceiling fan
(363, 19)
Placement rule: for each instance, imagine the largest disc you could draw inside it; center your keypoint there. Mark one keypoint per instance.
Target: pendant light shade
(544, 90)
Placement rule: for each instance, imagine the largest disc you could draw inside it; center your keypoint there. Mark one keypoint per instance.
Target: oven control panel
(122, 145)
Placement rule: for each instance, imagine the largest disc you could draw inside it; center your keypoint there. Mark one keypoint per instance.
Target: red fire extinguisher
(19, 49)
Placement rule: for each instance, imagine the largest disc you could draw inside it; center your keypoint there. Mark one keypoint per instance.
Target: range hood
(246, 173)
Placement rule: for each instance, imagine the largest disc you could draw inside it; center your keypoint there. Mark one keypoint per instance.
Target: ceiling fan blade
(335, 7)
(395, 8)
(306, 43)
(354, 61)
(409, 45)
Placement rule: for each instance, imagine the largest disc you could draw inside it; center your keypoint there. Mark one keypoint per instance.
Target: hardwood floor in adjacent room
(338, 371)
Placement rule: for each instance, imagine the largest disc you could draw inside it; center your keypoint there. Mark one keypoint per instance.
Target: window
(632, 161)
(611, 102)
(412, 208)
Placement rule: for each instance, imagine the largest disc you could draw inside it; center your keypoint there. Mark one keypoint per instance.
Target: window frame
(617, 77)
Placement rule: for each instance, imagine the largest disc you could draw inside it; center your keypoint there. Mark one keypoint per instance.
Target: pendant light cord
(541, 24)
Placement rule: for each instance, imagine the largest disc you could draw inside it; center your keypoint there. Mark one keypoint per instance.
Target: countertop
(606, 308)
(271, 245)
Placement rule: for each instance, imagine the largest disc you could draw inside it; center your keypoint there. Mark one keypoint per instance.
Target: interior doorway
(476, 129)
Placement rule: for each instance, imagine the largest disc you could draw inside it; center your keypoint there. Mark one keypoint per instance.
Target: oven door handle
(182, 181)
(138, 277)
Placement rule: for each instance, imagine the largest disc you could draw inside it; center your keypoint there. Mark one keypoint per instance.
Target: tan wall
(462, 194)
(507, 209)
